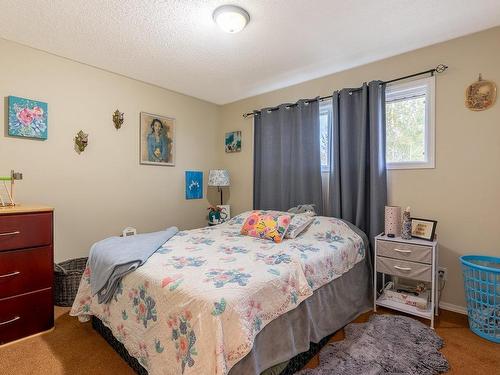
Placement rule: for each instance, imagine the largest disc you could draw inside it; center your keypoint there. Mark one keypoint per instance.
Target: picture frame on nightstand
(424, 229)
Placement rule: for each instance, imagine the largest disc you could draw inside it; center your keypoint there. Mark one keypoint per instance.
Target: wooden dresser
(26, 271)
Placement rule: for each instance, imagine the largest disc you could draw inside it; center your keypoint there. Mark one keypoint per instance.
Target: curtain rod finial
(441, 68)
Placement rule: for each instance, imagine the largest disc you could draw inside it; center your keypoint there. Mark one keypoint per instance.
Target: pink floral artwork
(27, 118)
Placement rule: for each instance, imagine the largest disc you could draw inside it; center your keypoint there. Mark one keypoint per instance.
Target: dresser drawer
(23, 271)
(25, 230)
(25, 315)
(398, 250)
(410, 270)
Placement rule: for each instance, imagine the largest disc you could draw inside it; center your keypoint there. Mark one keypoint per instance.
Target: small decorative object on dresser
(424, 229)
(26, 271)
(393, 220)
(7, 195)
(406, 230)
(406, 259)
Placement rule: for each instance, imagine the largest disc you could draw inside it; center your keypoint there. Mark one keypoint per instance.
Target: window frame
(326, 107)
(398, 91)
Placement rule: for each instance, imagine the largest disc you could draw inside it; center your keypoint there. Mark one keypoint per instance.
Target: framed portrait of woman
(157, 136)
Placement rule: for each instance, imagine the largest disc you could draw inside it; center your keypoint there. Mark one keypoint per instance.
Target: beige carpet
(74, 348)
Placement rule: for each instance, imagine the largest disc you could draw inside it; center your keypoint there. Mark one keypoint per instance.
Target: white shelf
(381, 301)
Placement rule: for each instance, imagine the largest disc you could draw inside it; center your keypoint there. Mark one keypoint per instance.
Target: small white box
(420, 301)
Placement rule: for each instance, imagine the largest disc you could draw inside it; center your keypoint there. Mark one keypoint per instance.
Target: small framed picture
(194, 185)
(424, 229)
(225, 212)
(232, 141)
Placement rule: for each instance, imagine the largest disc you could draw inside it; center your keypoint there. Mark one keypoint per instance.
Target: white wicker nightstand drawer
(410, 270)
(410, 252)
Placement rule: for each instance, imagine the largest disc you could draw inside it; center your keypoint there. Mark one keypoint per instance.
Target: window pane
(405, 130)
(323, 122)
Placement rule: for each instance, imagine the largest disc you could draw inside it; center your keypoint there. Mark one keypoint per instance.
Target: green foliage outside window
(405, 130)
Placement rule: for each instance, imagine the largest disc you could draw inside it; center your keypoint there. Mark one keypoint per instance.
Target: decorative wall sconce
(118, 119)
(81, 141)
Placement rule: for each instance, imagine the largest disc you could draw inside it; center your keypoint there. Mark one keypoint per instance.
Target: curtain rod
(438, 69)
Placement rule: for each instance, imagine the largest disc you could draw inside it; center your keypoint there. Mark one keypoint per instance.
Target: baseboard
(452, 307)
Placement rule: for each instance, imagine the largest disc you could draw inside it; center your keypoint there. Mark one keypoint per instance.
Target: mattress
(199, 302)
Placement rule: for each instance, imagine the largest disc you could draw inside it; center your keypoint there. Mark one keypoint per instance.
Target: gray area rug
(387, 344)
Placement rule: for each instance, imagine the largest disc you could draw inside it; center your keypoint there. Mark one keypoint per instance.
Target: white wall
(462, 192)
(98, 193)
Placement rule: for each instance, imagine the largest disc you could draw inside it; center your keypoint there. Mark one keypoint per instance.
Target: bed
(211, 301)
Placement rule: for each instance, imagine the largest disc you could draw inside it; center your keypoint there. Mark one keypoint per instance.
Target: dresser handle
(402, 268)
(403, 251)
(10, 233)
(10, 321)
(10, 274)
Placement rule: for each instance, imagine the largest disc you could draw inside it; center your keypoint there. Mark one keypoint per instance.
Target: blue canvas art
(194, 185)
(27, 118)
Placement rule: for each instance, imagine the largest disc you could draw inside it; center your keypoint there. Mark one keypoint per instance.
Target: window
(410, 124)
(325, 120)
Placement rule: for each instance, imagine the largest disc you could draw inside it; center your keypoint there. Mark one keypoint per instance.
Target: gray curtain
(358, 180)
(287, 164)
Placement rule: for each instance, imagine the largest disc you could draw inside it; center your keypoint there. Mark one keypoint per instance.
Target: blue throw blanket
(114, 257)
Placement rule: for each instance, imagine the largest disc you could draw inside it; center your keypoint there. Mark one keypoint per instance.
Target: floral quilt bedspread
(197, 304)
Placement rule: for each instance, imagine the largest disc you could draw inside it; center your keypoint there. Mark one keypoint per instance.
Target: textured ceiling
(176, 45)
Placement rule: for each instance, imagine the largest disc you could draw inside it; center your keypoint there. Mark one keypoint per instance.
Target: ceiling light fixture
(231, 18)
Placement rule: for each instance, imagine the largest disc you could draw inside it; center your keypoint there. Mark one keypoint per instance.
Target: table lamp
(218, 178)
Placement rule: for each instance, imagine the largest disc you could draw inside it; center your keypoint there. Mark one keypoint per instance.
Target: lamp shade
(393, 220)
(218, 177)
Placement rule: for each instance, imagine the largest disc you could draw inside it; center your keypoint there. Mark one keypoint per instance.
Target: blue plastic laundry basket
(482, 291)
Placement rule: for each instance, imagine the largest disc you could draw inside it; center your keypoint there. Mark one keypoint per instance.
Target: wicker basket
(67, 276)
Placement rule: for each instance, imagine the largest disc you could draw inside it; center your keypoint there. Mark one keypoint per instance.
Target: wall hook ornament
(118, 119)
(81, 141)
(480, 95)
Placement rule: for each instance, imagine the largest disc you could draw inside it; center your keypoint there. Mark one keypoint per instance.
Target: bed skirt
(302, 331)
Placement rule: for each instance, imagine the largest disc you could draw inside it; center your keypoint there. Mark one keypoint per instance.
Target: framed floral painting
(157, 140)
(27, 118)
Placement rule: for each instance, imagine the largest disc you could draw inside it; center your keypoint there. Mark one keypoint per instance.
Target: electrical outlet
(443, 273)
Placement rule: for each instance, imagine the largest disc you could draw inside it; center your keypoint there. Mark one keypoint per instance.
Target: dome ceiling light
(231, 18)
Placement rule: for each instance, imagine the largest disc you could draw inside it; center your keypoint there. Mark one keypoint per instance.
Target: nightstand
(409, 259)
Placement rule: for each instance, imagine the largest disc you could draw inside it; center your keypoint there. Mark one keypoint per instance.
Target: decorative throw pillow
(271, 225)
(298, 224)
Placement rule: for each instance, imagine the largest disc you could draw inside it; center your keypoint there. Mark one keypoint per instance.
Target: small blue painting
(194, 185)
(27, 118)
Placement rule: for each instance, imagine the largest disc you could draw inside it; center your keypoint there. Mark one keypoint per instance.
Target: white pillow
(298, 224)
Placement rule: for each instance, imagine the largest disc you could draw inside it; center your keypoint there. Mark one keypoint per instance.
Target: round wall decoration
(480, 95)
